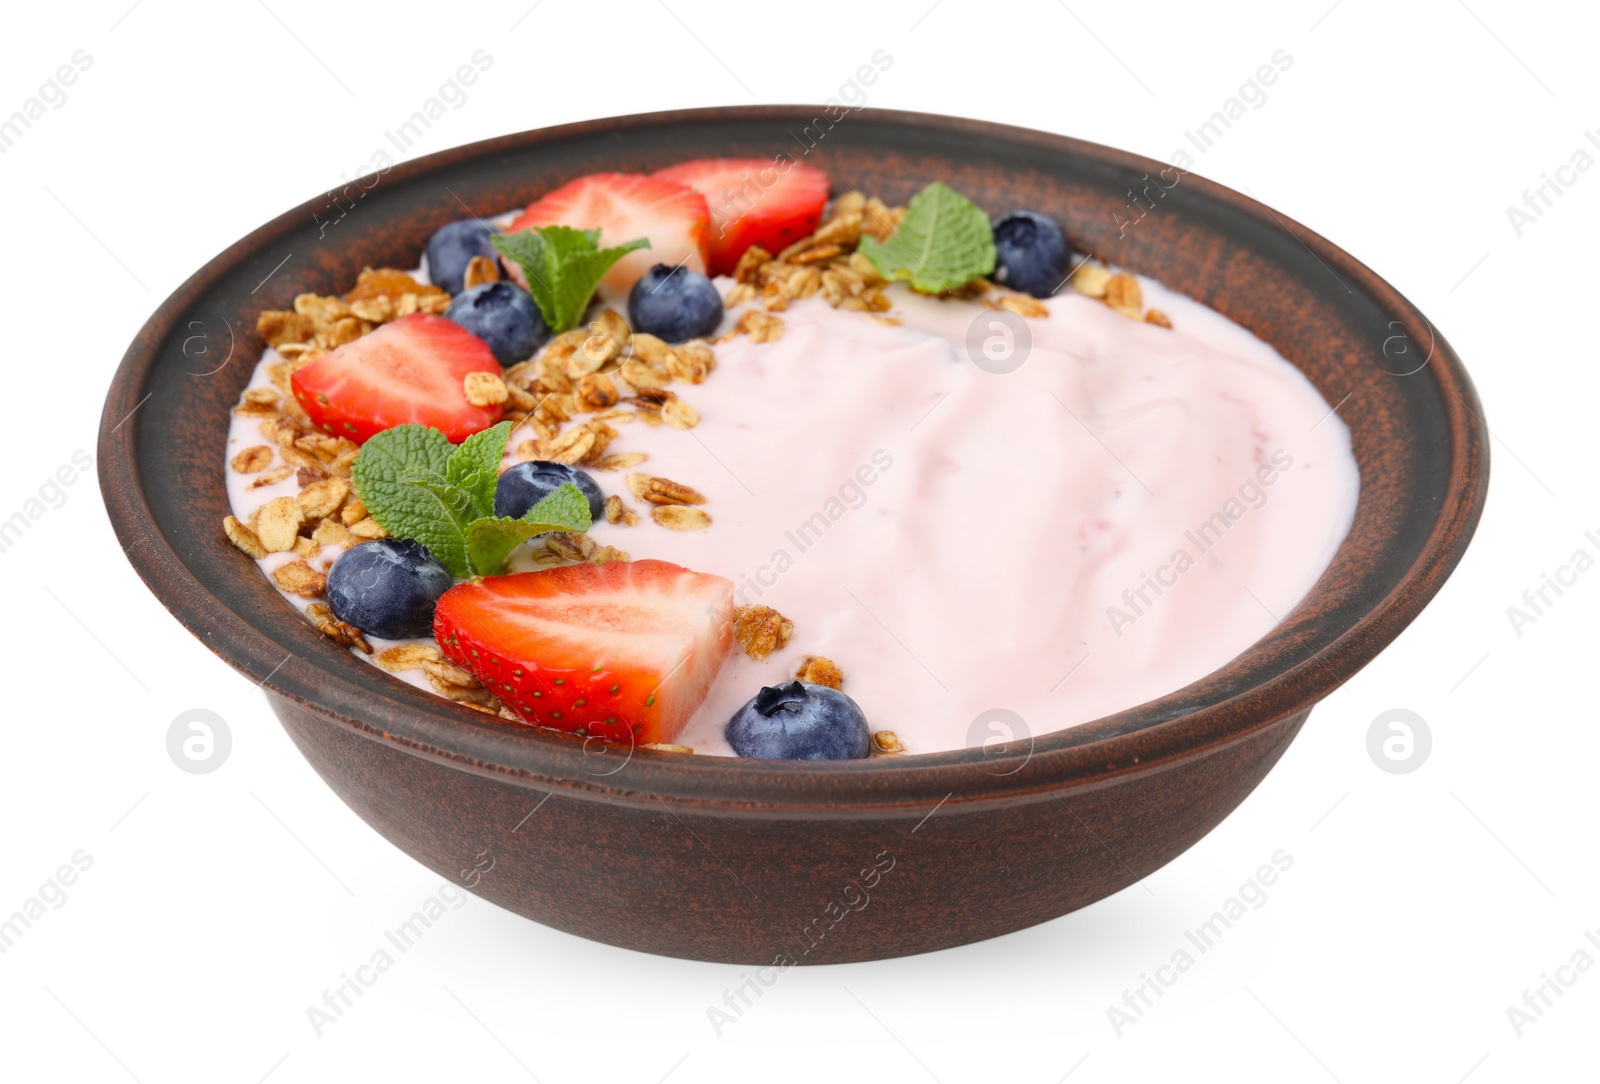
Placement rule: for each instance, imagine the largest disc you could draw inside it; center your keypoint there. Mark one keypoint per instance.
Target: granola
(299, 578)
(819, 670)
(678, 517)
(338, 631)
(255, 458)
(761, 630)
(656, 490)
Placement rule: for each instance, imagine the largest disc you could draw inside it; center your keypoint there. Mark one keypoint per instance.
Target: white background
(219, 907)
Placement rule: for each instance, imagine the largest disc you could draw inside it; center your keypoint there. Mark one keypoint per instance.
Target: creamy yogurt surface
(1099, 513)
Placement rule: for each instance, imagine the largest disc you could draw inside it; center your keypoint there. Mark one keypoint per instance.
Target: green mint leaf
(474, 467)
(391, 454)
(442, 514)
(417, 486)
(943, 242)
(490, 541)
(580, 266)
(564, 508)
(382, 467)
(563, 266)
(526, 250)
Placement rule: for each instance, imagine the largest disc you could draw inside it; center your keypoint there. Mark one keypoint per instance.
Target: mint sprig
(944, 241)
(490, 541)
(475, 466)
(563, 266)
(383, 473)
(416, 485)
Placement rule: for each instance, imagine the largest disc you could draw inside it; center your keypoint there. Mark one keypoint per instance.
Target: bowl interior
(1414, 419)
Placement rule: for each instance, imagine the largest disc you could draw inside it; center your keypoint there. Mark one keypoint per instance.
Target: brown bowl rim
(1093, 754)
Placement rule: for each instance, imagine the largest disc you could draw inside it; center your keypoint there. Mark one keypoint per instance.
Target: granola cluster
(1120, 292)
(320, 324)
(587, 381)
(824, 265)
(761, 630)
(446, 678)
(827, 265)
(326, 511)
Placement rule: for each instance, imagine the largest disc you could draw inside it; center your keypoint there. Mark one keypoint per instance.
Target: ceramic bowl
(776, 863)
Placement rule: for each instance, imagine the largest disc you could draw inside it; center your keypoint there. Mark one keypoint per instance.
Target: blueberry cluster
(501, 313)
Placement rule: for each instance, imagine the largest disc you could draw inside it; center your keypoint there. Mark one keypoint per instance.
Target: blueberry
(387, 588)
(503, 315)
(526, 484)
(452, 248)
(674, 303)
(1031, 253)
(799, 721)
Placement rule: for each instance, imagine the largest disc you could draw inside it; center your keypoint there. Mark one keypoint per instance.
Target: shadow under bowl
(760, 862)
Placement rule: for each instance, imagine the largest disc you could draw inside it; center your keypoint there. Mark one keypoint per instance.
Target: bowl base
(723, 885)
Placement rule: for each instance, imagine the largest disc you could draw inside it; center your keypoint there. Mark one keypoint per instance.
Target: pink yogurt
(1117, 517)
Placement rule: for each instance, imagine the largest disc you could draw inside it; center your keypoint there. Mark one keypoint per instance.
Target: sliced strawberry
(625, 650)
(754, 201)
(624, 206)
(411, 370)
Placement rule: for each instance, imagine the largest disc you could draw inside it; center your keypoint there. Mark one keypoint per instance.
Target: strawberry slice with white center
(623, 207)
(754, 201)
(411, 370)
(625, 651)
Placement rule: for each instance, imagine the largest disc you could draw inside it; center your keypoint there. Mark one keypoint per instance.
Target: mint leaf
(943, 242)
(563, 266)
(416, 486)
(389, 455)
(443, 513)
(382, 466)
(490, 541)
(564, 508)
(474, 467)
